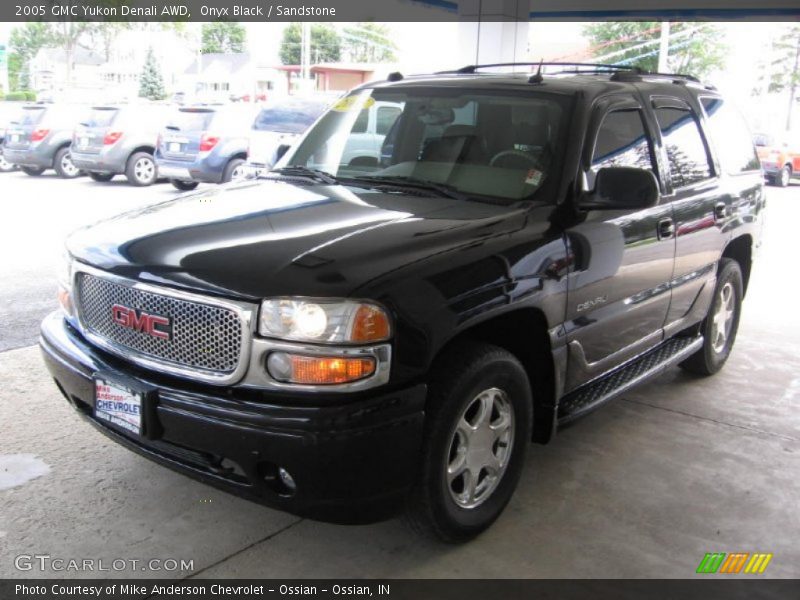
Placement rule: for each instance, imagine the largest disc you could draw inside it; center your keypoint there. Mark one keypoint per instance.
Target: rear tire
(477, 430)
(784, 176)
(722, 322)
(62, 163)
(32, 171)
(233, 171)
(5, 166)
(141, 169)
(184, 186)
(101, 177)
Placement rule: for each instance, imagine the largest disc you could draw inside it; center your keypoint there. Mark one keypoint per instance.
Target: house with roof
(49, 70)
(222, 77)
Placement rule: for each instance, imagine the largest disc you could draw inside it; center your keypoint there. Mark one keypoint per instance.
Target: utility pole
(793, 85)
(663, 49)
(305, 50)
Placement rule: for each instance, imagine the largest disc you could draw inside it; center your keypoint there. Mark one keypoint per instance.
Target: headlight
(323, 321)
(65, 285)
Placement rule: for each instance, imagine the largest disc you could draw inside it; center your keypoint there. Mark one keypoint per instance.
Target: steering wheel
(518, 154)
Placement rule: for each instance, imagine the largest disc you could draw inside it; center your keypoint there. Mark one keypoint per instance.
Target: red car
(779, 160)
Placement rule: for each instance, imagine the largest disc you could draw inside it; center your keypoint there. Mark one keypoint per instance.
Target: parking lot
(643, 487)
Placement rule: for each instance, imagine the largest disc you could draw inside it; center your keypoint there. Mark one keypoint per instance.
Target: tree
(151, 84)
(326, 44)
(223, 36)
(784, 72)
(24, 43)
(694, 48)
(68, 35)
(369, 43)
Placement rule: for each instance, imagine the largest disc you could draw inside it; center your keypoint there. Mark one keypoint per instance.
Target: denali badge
(155, 325)
(592, 303)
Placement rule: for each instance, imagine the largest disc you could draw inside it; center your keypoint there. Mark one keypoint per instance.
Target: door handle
(666, 229)
(720, 211)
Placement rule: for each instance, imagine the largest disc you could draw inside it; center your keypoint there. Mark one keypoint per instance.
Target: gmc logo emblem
(155, 325)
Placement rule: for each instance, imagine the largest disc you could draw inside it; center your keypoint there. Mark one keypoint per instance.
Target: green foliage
(785, 73)
(24, 43)
(223, 36)
(695, 48)
(326, 44)
(21, 96)
(151, 84)
(369, 43)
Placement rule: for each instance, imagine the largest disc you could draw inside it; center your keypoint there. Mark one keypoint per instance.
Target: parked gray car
(119, 140)
(40, 137)
(9, 112)
(204, 144)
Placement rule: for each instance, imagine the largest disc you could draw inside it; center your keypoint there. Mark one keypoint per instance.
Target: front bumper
(351, 458)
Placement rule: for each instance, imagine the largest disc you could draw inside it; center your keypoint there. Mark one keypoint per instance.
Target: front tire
(62, 163)
(184, 186)
(141, 169)
(477, 430)
(722, 322)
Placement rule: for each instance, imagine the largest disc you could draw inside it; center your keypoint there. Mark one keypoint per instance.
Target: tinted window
(290, 118)
(191, 120)
(622, 142)
(731, 137)
(360, 126)
(686, 152)
(101, 117)
(387, 115)
(31, 115)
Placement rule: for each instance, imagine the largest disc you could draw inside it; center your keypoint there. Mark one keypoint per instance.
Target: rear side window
(622, 142)
(731, 137)
(686, 152)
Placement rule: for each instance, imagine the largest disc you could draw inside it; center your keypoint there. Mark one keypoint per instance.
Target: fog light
(287, 479)
(318, 370)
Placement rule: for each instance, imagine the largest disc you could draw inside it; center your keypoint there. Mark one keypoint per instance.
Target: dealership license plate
(15, 138)
(116, 404)
(84, 142)
(174, 173)
(174, 147)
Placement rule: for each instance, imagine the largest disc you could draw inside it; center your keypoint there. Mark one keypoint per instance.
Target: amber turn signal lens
(370, 324)
(318, 370)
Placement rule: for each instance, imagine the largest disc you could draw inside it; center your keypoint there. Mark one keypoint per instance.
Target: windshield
(499, 145)
(289, 118)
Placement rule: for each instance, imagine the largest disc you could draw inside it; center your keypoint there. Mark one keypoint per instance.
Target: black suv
(346, 337)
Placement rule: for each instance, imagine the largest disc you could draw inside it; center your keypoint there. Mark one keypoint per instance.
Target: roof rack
(621, 72)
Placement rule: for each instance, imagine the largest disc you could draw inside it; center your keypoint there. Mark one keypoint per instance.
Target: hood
(269, 238)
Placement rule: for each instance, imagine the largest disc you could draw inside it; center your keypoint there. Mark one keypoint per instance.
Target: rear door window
(731, 137)
(686, 151)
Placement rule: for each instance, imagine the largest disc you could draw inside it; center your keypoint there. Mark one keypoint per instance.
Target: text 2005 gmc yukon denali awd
(344, 338)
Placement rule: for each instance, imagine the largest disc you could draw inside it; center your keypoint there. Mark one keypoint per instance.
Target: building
(49, 72)
(222, 77)
(334, 77)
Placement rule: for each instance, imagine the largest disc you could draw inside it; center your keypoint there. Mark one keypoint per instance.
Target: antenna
(538, 78)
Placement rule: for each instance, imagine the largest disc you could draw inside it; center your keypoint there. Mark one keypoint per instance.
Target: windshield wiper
(443, 189)
(301, 171)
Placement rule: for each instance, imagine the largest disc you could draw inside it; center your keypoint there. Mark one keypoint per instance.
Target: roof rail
(597, 66)
(626, 72)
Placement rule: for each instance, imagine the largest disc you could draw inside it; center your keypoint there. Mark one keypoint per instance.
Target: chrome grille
(204, 337)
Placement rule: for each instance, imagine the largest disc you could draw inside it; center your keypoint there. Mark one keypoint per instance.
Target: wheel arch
(524, 333)
(148, 149)
(740, 249)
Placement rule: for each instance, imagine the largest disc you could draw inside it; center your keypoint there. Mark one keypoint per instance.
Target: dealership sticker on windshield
(349, 103)
(534, 177)
(118, 406)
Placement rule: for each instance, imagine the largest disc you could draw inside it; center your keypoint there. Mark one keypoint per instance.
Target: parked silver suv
(39, 139)
(119, 140)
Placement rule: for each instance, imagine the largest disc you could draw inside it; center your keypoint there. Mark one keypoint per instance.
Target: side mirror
(282, 149)
(622, 188)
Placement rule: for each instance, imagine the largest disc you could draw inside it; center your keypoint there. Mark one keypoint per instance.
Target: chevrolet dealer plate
(117, 405)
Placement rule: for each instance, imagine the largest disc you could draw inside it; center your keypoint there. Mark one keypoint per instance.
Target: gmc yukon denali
(345, 338)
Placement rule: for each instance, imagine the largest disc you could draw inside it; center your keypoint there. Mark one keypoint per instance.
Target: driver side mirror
(622, 188)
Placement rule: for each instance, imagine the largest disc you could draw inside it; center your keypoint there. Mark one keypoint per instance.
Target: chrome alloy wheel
(480, 448)
(144, 169)
(69, 169)
(240, 172)
(722, 320)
